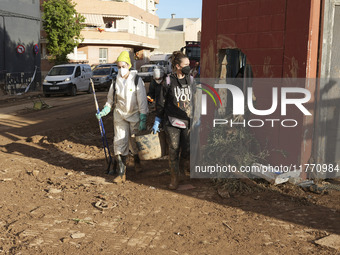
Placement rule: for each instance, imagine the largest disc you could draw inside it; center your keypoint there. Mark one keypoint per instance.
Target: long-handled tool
(107, 152)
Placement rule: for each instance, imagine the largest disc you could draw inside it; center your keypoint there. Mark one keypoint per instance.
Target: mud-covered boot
(114, 169)
(121, 177)
(138, 166)
(184, 168)
(174, 173)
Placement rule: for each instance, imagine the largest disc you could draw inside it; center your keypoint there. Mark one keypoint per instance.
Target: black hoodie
(175, 98)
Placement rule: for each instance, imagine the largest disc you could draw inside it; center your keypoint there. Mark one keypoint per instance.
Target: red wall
(274, 36)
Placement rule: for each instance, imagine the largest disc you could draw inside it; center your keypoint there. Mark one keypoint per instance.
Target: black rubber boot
(114, 169)
(138, 166)
(174, 173)
(184, 168)
(121, 162)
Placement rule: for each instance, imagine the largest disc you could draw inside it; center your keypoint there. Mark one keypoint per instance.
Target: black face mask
(186, 70)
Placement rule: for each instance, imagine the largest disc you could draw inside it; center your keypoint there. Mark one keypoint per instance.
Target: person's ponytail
(176, 59)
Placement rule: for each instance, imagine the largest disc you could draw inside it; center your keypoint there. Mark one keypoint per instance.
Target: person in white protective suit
(128, 96)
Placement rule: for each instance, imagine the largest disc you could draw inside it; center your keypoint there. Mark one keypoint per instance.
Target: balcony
(116, 8)
(112, 36)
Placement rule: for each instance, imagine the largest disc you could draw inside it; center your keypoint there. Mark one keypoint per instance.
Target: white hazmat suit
(128, 101)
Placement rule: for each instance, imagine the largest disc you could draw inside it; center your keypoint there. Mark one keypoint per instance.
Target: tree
(62, 25)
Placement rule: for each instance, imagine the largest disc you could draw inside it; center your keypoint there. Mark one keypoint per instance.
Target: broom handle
(101, 127)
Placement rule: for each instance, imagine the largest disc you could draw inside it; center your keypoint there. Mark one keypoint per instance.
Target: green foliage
(63, 25)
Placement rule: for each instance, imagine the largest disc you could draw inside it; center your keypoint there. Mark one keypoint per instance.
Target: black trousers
(178, 140)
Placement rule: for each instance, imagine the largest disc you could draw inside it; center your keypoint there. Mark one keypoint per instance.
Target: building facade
(114, 26)
(19, 45)
(174, 32)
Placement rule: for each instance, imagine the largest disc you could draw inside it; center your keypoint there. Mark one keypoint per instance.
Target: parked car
(67, 79)
(146, 71)
(104, 75)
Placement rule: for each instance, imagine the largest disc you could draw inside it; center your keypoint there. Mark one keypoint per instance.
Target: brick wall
(272, 33)
(274, 36)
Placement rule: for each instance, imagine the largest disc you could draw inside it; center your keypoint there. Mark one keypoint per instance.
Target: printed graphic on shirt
(183, 98)
(183, 94)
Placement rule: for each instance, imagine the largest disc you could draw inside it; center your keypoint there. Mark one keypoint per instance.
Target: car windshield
(146, 69)
(102, 71)
(161, 63)
(193, 52)
(61, 70)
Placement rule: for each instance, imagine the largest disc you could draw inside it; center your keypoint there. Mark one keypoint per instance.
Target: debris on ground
(227, 187)
(226, 224)
(185, 187)
(331, 241)
(179, 234)
(5, 179)
(274, 177)
(223, 193)
(78, 235)
(318, 188)
(40, 104)
(103, 205)
(306, 184)
(53, 190)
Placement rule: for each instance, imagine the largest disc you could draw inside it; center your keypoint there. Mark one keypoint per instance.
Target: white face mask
(159, 81)
(123, 71)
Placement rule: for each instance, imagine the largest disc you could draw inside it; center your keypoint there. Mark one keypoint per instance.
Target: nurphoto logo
(239, 105)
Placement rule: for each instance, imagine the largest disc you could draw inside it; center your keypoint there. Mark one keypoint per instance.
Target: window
(134, 24)
(61, 70)
(102, 55)
(147, 69)
(78, 72)
(102, 71)
(143, 29)
(110, 22)
(151, 6)
(193, 52)
(151, 30)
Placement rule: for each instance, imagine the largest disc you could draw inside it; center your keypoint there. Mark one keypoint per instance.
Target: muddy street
(57, 199)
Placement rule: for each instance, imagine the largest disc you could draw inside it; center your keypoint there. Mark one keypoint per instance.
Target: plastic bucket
(150, 146)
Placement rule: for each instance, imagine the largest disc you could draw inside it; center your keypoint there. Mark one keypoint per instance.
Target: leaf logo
(210, 94)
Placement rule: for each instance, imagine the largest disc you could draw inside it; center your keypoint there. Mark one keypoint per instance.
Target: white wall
(151, 31)
(140, 3)
(123, 23)
(138, 27)
(151, 6)
(191, 29)
(147, 5)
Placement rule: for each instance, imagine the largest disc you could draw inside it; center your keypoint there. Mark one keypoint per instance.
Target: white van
(68, 79)
(162, 60)
(146, 72)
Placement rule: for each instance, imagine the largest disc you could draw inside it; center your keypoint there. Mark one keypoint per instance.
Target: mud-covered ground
(57, 199)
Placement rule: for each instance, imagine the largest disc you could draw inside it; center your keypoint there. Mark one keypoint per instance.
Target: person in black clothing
(173, 108)
(155, 85)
